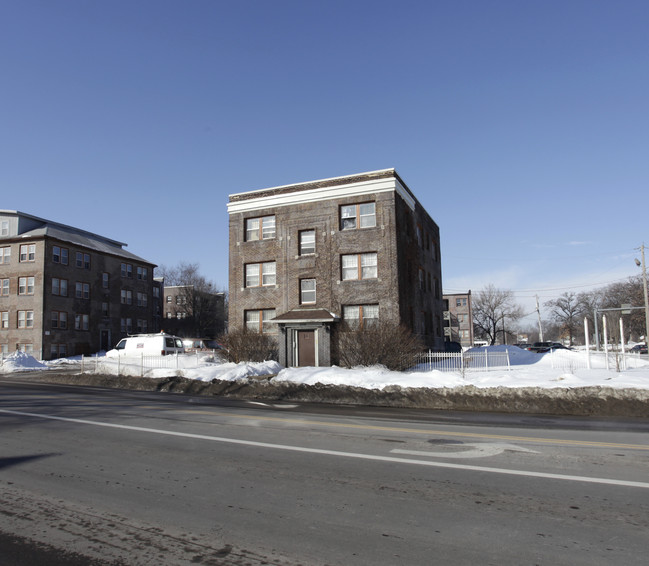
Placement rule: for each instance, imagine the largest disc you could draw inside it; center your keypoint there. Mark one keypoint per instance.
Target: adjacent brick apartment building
(65, 291)
(304, 257)
(459, 316)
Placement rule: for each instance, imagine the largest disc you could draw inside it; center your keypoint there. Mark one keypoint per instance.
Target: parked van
(149, 344)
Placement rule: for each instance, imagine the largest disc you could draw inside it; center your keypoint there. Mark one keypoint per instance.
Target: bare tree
(199, 310)
(568, 311)
(492, 308)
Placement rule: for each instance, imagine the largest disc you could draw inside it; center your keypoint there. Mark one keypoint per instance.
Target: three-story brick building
(357, 248)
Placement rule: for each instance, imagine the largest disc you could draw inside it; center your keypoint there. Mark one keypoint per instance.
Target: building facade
(459, 318)
(305, 257)
(193, 313)
(65, 291)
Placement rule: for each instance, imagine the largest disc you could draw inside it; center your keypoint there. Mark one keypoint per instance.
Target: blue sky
(521, 126)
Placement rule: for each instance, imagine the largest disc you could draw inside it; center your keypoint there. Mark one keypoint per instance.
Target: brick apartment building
(459, 317)
(357, 248)
(65, 291)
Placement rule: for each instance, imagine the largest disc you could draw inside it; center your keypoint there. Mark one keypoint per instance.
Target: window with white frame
(262, 228)
(142, 273)
(126, 270)
(4, 228)
(142, 300)
(27, 252)
(5, 254)
(261, 274)
(4, 320)
(4, 287)
(25, 285)
(126, 297)
(25, 319)
(359, 266)
(307, 291)
(259, 321)
(353, 216)
(360, 316)
(307, 242)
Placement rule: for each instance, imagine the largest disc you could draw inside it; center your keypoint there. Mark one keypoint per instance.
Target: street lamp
(646, 296)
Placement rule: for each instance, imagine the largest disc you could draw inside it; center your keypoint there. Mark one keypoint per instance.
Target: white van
(148, 344)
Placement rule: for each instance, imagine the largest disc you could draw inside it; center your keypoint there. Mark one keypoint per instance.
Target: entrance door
(105, 340)
(306, 348)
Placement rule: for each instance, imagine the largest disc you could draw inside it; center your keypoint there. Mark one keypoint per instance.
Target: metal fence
(139, 366)
(461, 361)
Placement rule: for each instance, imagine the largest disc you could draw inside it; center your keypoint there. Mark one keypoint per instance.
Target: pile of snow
(20, 361)
(527, 369)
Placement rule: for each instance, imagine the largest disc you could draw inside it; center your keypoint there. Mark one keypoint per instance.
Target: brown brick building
(65, 291)
(459, 317)
(304, 257)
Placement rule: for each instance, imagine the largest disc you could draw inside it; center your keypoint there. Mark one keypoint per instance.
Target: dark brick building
(304, 257)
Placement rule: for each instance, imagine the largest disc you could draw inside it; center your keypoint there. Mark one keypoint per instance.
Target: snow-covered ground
(527, 369)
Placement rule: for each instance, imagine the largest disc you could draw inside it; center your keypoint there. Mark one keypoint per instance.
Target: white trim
(322, 193)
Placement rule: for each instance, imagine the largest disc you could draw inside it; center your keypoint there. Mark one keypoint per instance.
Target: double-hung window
(83, 260)
(5, 254)
(25, 285)
(126, 297)
(262, 228)
(82, 290)
(307, 242)
(4, 287)
(25, 319)
(59, 287)
(261, 274)
(60, 255)
(259, 321)
(307, 291)
(359, 266)
(4, 320)
(28, 252)
(360, 316)
(355, 216)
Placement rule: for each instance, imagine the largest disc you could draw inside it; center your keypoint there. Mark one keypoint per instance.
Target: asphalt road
(95, 476)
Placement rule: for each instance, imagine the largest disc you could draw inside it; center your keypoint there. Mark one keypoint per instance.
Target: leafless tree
(200, 308)
(492, 308)
(568, 312)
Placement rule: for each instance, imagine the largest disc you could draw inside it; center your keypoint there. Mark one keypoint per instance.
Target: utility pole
(646, 296)
(538, 312)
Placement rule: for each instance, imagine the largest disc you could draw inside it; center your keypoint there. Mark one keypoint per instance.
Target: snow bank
(20, 361)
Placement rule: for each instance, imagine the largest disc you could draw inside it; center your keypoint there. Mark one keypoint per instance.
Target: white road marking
(355, 455)
(478, 450)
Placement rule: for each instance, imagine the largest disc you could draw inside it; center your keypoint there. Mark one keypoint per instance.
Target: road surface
(116, 477)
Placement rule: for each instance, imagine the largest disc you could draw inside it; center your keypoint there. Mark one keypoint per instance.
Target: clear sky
(521, 126)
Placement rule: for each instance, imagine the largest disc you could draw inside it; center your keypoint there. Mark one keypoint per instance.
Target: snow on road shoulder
(21, 361)
(527, 369)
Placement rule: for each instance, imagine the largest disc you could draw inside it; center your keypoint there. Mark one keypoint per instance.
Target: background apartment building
(459, 317)
(358, 248)
(190, 312)
(65, 291)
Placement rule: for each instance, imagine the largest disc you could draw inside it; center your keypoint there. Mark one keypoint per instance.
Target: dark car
(639, 349)
(543, 347)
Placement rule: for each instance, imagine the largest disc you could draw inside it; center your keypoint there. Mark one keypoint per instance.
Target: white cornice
(323, 193)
